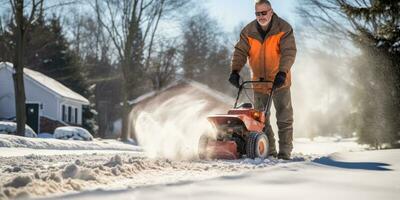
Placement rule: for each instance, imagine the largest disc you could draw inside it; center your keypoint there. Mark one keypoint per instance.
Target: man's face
(263, 14)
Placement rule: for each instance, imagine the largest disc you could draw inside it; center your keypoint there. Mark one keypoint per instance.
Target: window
(63, 114)
(76, 115)
(69, 114)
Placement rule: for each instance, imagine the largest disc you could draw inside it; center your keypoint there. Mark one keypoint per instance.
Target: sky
(230, 13)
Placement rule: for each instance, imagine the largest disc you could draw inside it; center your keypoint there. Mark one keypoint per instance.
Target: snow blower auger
(239, 132)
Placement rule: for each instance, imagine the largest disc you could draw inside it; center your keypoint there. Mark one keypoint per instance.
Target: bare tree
(131, 24)
(22, 23)
(162, 67)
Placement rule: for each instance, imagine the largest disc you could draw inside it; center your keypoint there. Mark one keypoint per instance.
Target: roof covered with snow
(199, 86)
(49, 83)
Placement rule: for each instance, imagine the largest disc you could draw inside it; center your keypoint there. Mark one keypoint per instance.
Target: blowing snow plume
(170, 123)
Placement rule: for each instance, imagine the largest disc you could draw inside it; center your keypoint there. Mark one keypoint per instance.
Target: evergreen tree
(374, 26)
(135, 75)
(378, 35)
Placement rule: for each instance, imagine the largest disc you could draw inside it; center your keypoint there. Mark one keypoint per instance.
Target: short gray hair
(263, 1)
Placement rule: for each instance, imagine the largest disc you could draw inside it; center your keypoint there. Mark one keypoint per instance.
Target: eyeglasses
(263, 13)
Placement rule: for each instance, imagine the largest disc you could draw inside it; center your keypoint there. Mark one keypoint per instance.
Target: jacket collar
(253, 32)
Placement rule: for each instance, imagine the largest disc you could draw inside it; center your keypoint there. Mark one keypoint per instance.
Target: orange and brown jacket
(276, 52)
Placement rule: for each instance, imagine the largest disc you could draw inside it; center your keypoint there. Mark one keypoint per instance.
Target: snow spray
(170, 127)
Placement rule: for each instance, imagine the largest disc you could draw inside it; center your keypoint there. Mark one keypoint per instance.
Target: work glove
(234, 78)
(279, 79)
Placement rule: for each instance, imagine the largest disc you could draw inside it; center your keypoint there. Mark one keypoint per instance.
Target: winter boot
(284, 156)
(273, 153)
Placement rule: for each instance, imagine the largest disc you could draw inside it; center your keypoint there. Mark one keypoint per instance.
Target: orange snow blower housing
(239, 132)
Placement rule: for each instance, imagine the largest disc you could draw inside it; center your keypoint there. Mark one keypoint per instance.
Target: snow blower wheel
(257, 145)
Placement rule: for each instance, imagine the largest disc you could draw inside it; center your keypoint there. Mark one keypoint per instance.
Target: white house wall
(34, 94)
(7, 102)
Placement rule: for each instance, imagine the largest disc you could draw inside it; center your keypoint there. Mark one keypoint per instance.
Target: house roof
(199, 86)
(49, 83)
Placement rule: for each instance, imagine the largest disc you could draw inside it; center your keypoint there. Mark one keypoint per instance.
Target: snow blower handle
(241, 87)
(269, 103)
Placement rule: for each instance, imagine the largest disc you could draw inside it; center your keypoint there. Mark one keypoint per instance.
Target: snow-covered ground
(352, 175)
(104, 169)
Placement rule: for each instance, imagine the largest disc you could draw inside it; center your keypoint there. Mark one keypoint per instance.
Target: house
(49, 104)
(193, 90)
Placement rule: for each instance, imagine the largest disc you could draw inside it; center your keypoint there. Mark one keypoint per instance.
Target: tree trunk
(18, 75)
(125, 113)
(125, 67)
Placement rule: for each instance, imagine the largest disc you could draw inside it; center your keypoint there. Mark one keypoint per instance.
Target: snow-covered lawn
(11, 141)
(105, 169)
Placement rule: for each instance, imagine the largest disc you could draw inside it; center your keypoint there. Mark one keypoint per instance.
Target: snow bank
(51, 143)
(72, 133)
(11, 128)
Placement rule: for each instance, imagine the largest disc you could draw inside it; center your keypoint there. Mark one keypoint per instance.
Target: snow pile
(75, 172)
(72, 133)
(45, 178)
(19, 181)
(11, 128)
(44, 175)
(12, 141)
(114, 161)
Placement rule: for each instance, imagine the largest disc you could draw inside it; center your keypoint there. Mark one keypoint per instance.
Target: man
(269, 45)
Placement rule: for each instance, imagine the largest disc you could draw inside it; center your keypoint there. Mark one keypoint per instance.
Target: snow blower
(239, 132)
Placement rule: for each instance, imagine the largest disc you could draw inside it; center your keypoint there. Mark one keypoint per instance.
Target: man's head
(264, 12)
